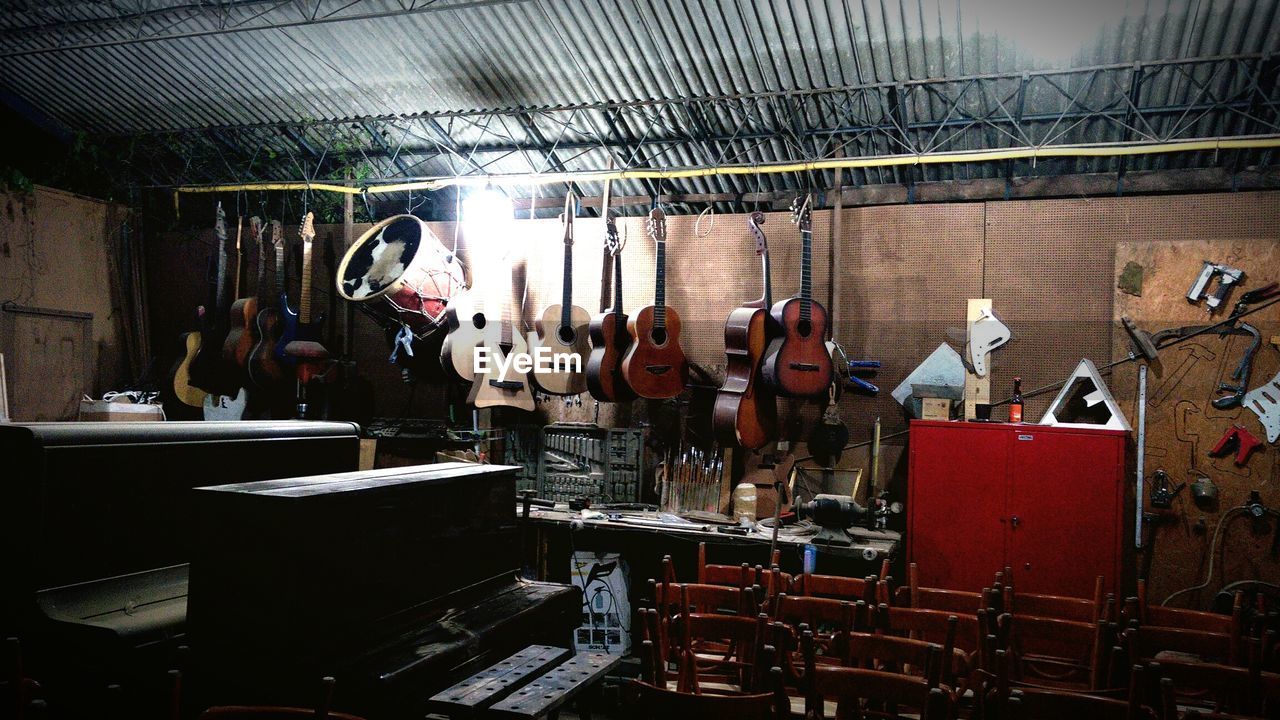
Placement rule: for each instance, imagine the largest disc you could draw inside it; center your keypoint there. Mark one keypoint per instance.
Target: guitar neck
(806, 273)
(279, 267)
(304, 302)
(617, 283)
(660, 287)
(507, 321)
(766, 267)
(260, 283)
(235, 283)
(566, 297)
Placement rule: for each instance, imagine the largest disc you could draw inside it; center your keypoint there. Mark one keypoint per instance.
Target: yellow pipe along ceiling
(939, 158)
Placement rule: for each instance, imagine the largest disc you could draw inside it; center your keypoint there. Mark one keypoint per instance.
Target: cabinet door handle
(1015, 520)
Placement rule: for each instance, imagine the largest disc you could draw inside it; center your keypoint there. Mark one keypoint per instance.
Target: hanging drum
(401, 276)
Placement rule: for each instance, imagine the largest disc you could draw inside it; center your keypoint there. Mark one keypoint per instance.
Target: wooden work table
(644, 545)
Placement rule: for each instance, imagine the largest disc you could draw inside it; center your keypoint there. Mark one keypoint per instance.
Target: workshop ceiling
(199, 91)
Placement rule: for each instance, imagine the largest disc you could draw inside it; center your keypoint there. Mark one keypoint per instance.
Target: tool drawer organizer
(603, 464)
(522, 449)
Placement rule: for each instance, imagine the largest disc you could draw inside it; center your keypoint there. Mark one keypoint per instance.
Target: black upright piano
(396, 582)
(96, 521)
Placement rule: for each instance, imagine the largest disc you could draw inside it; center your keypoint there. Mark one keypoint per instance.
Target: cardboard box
(119, 411)
(935, 408)
(606, 608)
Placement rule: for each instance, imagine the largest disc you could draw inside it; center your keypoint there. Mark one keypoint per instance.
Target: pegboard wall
(906, 271)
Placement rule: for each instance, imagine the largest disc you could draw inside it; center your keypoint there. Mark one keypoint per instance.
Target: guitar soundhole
(804, 327)
(659, 336)
(478, 320)
(567, 335)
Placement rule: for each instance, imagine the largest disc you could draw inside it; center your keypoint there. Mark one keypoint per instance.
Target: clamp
(863, 366)
(1162, 493)
(1239, 438)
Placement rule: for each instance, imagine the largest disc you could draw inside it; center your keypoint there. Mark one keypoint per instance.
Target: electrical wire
(1213, 555)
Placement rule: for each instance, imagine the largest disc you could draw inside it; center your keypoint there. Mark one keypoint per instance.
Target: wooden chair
(271, 712)
(950, 630)
(1147, 642)
(829, 620)
(869, 589)
(1088, 610)
(652, 702)
(696, 597)
(888, 653)
(1040, 704)
(1232, 626)
(1054, 653)
(873, 693)
(773, 580)
(721, 648)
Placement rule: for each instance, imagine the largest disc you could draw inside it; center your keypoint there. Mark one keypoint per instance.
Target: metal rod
(1142, 452)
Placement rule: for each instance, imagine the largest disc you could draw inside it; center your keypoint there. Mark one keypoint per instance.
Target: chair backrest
(1038, 704)
(1078, 648)
(820, 614)
(935, 626)
(663, 704)
(838, 587)
(1053, 606)
(696, 597)
(847, 686)
(897, 654)
(955, 601)
(1146, 642)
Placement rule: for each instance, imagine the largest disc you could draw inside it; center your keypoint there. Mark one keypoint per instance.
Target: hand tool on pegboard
(1239, 439)
(1227, 277)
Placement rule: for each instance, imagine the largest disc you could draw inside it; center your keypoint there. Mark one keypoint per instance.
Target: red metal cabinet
(1045, 501)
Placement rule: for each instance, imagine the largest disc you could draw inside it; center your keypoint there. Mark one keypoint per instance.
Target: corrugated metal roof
(536, 53)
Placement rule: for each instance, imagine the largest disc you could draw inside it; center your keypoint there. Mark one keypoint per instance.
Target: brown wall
(906, 272)
(54, 254)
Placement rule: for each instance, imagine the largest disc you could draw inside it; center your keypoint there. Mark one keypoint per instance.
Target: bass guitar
(297, 322)
(497, 384)
(610, 337)
(265, 371)
(208, 371)
(746, 409)
(244, 311)
(797, 363)
(655, 366)
(562, 329)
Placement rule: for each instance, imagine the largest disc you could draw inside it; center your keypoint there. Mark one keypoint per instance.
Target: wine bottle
(1015, 403)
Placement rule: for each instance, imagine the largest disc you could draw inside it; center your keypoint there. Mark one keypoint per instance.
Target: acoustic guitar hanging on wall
(655, 365)
(562, 329)
(797, 363)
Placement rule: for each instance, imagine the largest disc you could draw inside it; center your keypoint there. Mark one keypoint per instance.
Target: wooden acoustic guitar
(265, 371)
(655, 366)
(465, 322)
(207, 370)
(746, 409)
(797, 363)
(610, 336)
(562, 329)
(297, 322)
(492, 388)
(244, 311)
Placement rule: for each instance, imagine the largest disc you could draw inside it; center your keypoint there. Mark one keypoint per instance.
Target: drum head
(380, 257)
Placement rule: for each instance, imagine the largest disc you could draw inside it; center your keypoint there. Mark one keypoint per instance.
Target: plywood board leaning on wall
(1182, 423)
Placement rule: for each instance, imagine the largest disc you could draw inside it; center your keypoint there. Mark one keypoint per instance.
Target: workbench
(643, 547)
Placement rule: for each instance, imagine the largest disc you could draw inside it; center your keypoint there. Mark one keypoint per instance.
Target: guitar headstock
(800, 214)
(255, 228)
(277, 234)
(220, 224)
(612, 242)
(657, 225)
(754, 221)
(566, 217)
(308, 231)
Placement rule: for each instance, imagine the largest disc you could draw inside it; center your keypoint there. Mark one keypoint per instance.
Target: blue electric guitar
(296, 320)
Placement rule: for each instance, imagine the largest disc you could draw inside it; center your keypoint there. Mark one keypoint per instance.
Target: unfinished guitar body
(798, 364)
(746, 409)
(560, 340)
(655, 366)
(189, 394)
(610, 340)
(491, 389)
(466, 324)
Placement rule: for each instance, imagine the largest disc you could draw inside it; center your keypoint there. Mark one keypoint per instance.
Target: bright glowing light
(487, 216)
